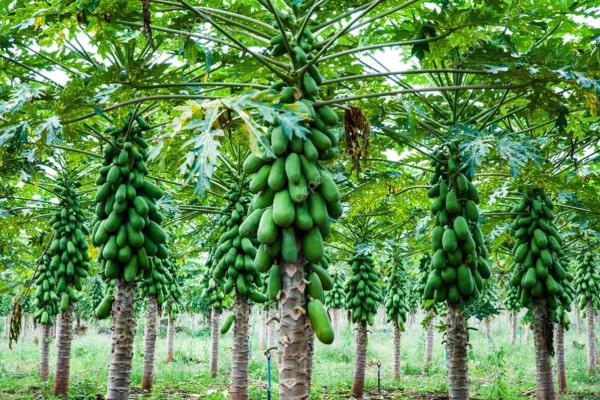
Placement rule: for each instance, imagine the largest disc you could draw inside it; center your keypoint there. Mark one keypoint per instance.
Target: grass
(507, 372)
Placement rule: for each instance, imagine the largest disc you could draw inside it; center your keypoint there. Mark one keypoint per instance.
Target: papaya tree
(47, 305)
(335, 301)
(363, 298)
(512, 303)
(363, 290)
(587, 283)
(396, 308)
(69, 260)
(458, 262)
(234, 263)
(539, 277)
(212, 294)
(295, 196)
(126, 228)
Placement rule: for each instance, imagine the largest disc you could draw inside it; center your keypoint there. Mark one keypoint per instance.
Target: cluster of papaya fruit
(587, 281)
(161, 283)
(212, 289)
(459, 259)
(336, 297)
(67, 256)
(295, 195)
(46, 300)
(423, 271)
(126, 226)
(96, 292)
(235, 251)
(173, 301)
(537, 271)
(396, 295)
(512, 300)
(362, 288)
(567, 298)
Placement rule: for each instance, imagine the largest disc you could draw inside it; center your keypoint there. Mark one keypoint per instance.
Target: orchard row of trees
(273, 185)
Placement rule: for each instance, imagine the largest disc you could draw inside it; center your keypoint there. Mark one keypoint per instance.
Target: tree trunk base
(149, 344)
(458, 370)
(360, 360)
(214, 342)
(123, 330)
(239, 350)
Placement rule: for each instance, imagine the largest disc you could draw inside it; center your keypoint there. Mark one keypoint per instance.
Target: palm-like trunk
(335, 320)
(458, 371)
(239, 350)
(25, 323)
(272, 329)
(561, 373)
(578, 318)
(293, 338)
(542, 336)
(396, 353)
(262, 332)
(6, 325)
(592, 353)
(214, 342)
(513, 327)
(123, 330)
(488, 332)
(149, 344)
(170, 335)
(63, 359)
(45, 353)
(360, 360)
(310, 351)
(527, 331)
(429, 341)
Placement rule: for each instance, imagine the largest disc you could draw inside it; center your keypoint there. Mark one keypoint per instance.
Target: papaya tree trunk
(170, 335)
(272, 324)
(262, 332)
(488, 332)
(293, 338)
(592, 353)
(149, 344)
(542, 336)
(360, 360)
(6, 325)
(56, 330)
(123, 330)
(513, 327)
(45, 353)
(561, 373)
(396, 353)
(458, 374)
(335, 320)
(239, 350)
(214, 342)
(63, 358)
(429, 341)
(310, 352)
(578, 318)
(527, 331)
(25, 323)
